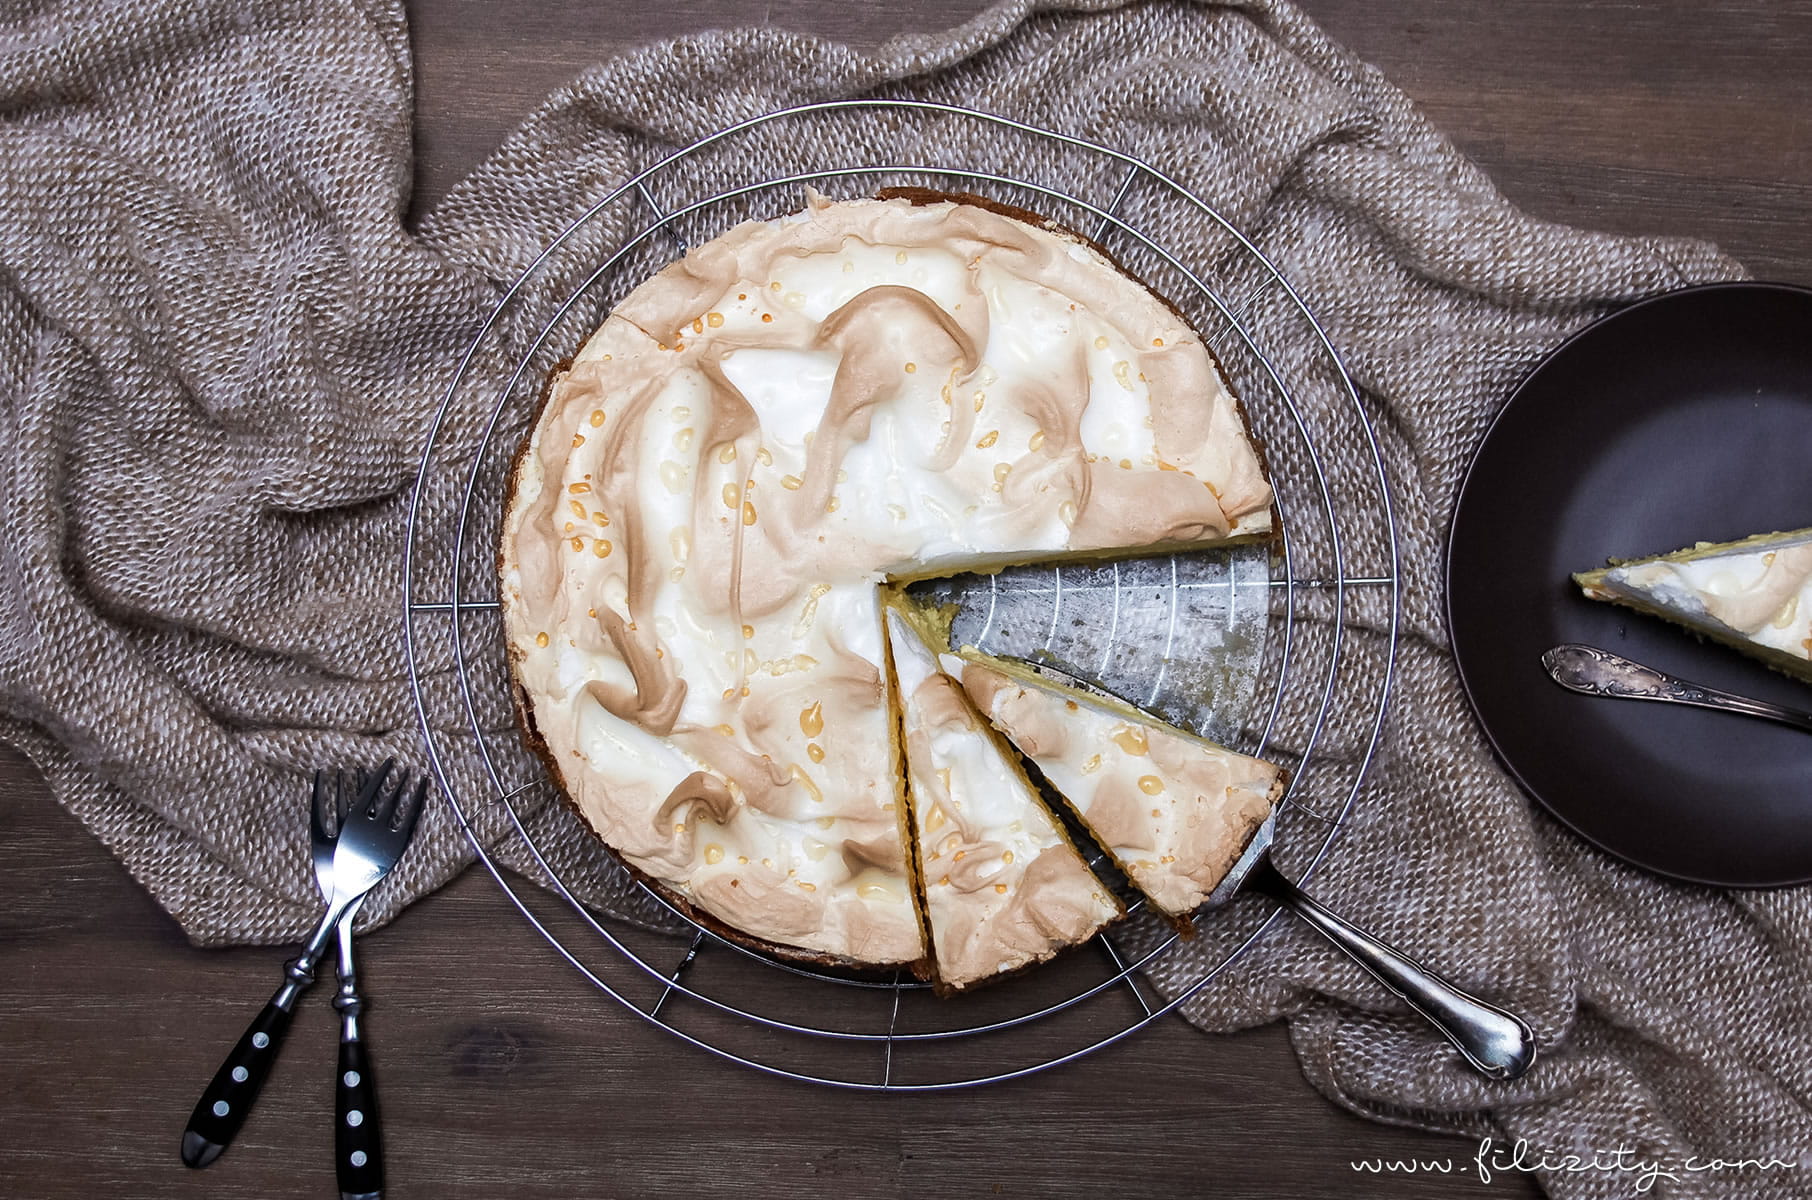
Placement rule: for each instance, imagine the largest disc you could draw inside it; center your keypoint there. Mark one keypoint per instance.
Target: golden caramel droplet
(698, 326)
(958, 856)
(578, 543)
(1101, 343)
(680, 414)
(1092, 765)
(811, 720)
(540, 639)
(727, 454)
(1157, 341)
(763, 457)
(726, 730)
(1066, 512)
(1151, 785)
(987, 439)
(1001, 888)
(911, 367)
(807, 887)
(748, 631)
(1001, 471)
(1123, 374)
(578, 440)
(714, 319)
(681, 541)
(805, 781)
(834, 505)
(578, 489)
(1036, 440)
(600, 519)
(578, 508)
(980, 399)
(683, 439)
(714, 854)
(791, 483)
(1131, 739)
(597, 417)
(767, 318)
(748, 513)
(732, 495)
(815, 752)
(673, 477)
(1007, 857)
(601, 548)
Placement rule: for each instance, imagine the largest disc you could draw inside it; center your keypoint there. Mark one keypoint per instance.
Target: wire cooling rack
(1284, 651)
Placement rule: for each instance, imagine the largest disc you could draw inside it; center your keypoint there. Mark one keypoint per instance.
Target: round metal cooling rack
(1283, 651)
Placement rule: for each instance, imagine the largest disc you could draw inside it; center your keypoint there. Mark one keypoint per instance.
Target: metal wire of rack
(1322, 609)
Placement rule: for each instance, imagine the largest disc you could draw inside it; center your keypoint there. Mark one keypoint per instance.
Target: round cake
(758, 441)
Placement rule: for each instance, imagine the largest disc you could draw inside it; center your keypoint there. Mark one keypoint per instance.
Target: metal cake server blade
(1592, 671)
(1496, 1043)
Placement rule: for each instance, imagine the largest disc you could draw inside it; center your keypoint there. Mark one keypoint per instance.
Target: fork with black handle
(357, 1147)
(368, 845)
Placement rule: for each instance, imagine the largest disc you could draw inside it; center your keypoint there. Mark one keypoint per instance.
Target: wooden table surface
(502, 1071)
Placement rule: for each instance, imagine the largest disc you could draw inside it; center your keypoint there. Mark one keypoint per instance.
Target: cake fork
(370, 841)
(358, 1161)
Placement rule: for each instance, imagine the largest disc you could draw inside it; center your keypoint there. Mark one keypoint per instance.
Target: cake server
(373, 837)
(1592, 671)
(1496, 1043)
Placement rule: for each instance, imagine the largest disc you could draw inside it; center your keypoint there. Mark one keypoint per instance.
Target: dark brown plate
(1683, 418)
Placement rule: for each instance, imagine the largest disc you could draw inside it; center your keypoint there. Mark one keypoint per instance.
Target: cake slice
(1003, 887)
(1174, 810)
(1754, 595)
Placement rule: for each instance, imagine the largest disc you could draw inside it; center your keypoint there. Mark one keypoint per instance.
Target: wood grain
(501, 1070)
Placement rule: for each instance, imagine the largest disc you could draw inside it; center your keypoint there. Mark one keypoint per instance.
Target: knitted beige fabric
(219, 347)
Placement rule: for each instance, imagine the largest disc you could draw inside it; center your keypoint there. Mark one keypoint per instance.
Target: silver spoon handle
(1498, 1044)
(1597, 672)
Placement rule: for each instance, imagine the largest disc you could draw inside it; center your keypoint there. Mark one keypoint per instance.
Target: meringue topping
(1174, 811)
(1004, 887)
(759, 435)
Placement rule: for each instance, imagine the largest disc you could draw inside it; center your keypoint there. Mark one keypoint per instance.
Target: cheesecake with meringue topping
(760, 438)
(1175, 811)
(1004, 886)
(1754, 595)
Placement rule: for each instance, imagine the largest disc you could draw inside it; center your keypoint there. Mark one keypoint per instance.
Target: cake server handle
(1499, 1045)
(1597, 672)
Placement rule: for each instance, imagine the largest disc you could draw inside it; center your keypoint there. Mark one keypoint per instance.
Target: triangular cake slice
(1003, 887)
(1754, 594)
(1174, 810)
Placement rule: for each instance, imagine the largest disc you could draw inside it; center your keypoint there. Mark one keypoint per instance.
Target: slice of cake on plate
(1174, 810)
(1754, 594)
(1004, 887)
